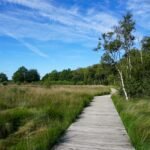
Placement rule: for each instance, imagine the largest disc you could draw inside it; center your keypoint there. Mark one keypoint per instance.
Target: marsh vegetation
(32, 118)
(135, 115)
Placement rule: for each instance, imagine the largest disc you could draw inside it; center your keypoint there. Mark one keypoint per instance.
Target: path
(98, 128)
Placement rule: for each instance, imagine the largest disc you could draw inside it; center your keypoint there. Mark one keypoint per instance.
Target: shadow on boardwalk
(98, 128)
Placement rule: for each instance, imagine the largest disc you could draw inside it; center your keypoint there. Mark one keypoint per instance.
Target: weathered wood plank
(99, 127)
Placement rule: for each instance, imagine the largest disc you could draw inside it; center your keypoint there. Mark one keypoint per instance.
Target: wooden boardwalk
(99, 127)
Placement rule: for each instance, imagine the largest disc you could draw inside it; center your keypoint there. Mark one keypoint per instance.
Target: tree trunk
(130, 66)
(141, 56)
(122, 84)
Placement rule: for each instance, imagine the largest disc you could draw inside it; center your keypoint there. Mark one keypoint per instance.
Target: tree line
(96, 74)
(122, 64)
(22, 75)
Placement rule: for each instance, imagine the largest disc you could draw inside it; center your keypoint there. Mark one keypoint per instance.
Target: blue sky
(60, 34)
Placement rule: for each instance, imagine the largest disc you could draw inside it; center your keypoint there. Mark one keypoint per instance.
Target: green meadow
(33, 118)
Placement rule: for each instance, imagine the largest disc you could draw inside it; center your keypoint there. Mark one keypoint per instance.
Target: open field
(136, 118)
(32, 118)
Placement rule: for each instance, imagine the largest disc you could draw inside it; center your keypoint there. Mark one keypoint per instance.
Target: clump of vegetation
(96, 74)
(23, 75)
(33, 118)
(3, 79)
(135, 115)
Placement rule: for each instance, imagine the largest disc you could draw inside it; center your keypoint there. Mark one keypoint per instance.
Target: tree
(20, 75)
(116, 43)
(146, 44)
(112, 46)
(125, 31)
(106, 59)
(45, 78)
(108, 68)
(65, 75)
(3, 78)
(32, 76)
(78, 76)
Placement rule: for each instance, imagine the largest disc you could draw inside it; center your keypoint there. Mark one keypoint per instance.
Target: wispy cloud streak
(61, 23)
(28, 45)
(45, 21)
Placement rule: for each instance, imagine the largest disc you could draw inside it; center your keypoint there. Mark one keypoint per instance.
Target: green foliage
(138, 85)
(135, 116)
(146, 44)
(23, 75)
(3, 78)
(65, 75)
(20, 75)
(96, 74)
(126, 28)
(133, 65)
(32, 76)
(5, 83)
(106, 59)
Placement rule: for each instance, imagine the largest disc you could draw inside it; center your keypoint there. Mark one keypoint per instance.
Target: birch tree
(126, 29)
(111, 44)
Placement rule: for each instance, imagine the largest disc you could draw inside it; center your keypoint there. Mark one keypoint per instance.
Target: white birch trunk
(130, 66)
(122, 84)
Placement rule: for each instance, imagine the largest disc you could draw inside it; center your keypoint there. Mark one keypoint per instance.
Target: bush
(5, 83)
(3, 78)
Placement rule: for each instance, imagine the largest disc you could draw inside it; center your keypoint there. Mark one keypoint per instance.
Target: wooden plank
(99, 127)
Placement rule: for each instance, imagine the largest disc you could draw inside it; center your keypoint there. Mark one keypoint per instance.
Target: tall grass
(33, 118)
(135, 115)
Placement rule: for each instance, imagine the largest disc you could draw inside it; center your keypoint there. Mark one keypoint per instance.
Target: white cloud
(141, 11)
(62, 24)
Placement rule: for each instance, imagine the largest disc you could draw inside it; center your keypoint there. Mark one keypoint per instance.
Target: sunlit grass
(136, 118)
(32, 118)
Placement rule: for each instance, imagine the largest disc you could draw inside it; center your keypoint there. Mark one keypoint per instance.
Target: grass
(33, 118)
(135, 115)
